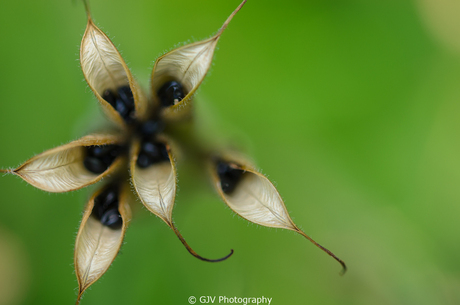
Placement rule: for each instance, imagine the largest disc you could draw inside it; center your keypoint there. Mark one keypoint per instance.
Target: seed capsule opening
(150, 128)
(106, 208)
(229, 175)
(171, 93)
(98, 158)
(122, 101)
(151, 152)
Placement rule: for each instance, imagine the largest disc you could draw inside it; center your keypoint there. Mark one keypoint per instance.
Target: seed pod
(155, 185)
(187, 66)
(101, 234)
(62, 169)
(106, 73)
(252, 196)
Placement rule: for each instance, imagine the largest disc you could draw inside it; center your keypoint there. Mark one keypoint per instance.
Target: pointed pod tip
(88, 13)
(224, 26)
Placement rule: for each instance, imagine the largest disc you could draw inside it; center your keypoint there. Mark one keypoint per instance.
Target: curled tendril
(344, 267)
(192, 252)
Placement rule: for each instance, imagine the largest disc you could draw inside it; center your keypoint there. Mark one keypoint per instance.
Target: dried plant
(141, 148)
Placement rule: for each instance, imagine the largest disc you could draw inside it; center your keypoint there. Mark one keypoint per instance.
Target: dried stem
(224, 26)
(86, 4)
(194, 253)
(344, 267)
(79, 297)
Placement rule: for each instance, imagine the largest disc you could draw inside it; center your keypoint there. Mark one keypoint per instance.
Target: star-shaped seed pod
(141, 149)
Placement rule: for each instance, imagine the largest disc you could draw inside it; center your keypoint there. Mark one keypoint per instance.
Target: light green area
(350, 107)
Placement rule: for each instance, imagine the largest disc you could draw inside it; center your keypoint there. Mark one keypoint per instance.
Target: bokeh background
(350, 106)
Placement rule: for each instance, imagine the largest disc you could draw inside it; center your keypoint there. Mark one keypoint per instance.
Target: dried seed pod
(177, 74)
(108, 76)
(252, 196)
(63, 169)
(155, 185)
(101, 233)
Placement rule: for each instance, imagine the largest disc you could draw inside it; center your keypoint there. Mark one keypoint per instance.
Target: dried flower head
(141, 149)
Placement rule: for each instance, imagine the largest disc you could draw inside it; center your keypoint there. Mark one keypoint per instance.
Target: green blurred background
(350, 106)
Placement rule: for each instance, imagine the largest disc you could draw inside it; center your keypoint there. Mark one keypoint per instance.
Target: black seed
(106, 208)
(229, 176)
(100, 157)
(122, 101)
(126, 96)
(112, 219)
(171, 93)
(149, 128)
(151, 153)
(121, 108)
(151, 150)
(104, 201)
(111, 197)
(94, 165)
(143, 161)
(100, 150)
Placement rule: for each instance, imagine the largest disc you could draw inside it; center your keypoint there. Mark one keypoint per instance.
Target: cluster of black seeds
(122, 101)
(106, 208)
(150, 128)
(99, 157)
(151, 152)
(228, 176)
(171, 93)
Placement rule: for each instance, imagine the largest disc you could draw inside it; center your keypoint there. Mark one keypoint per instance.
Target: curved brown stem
(6, 171)
(344, 267)
(79, 298)
(189, 249)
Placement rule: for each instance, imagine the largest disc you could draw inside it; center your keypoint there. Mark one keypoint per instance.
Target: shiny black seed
(121, 108)
(143, 161)
(126, 96)
(110, 197)
(106, 200)
(100, 157)
(171, 93)
(112, 219)
(151, 127)
(229, 176)
(152, 150)
(151, 153)
(122, 101)
(106, 208)
(94, 165)
(100, 150)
